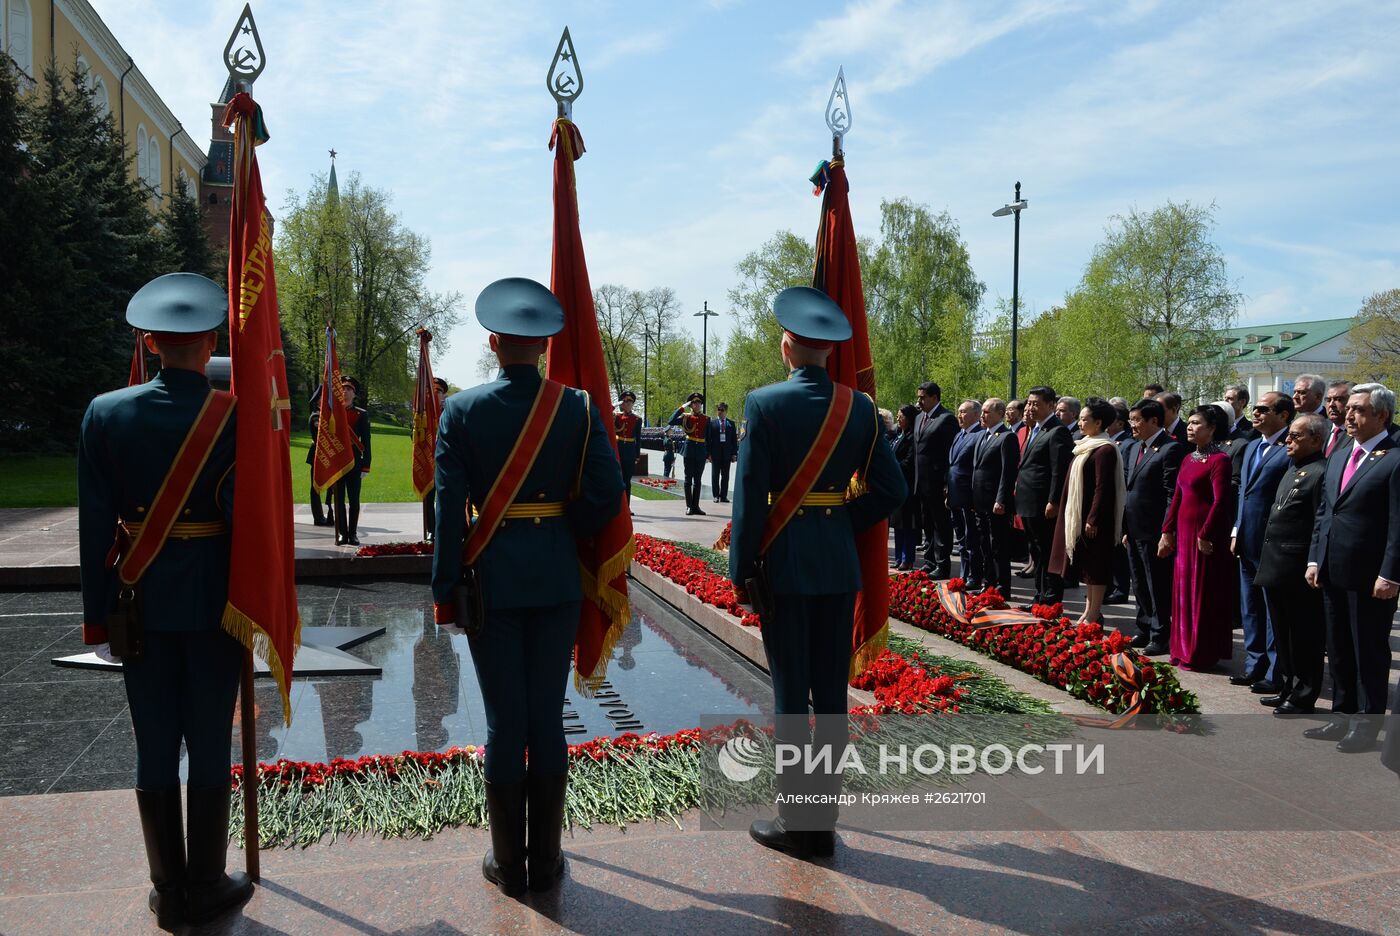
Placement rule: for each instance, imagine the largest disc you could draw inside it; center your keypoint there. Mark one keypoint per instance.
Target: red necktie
(1332, 442)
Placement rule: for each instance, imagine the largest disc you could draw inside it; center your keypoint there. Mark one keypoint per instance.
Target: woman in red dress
(1197, 529)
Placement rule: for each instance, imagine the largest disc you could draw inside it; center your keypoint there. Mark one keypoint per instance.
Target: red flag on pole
(262, 598)
(137, 375)
(334, 456)
(837, 273)
(425, 419)
(576, 360)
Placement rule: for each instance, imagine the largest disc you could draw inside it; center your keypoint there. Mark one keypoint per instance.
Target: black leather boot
(504, 864)
(774, 834)
(163, 830)
(546, 819)
(209, 889)
(352, 536)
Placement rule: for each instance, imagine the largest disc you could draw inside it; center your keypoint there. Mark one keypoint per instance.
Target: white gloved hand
(104, 653)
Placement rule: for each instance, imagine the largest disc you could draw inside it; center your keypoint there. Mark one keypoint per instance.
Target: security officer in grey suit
(811, 566)
(181, 687)
(528, 571)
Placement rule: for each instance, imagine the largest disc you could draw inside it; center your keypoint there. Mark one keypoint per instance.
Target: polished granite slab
(64, 729)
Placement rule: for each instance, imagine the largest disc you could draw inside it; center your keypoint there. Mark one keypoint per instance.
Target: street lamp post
(704, 315)
(646, 398)
(1015, 208)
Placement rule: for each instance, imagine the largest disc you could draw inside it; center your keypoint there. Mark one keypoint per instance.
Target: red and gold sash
(813, 463)
(512, 477)
(175, 489)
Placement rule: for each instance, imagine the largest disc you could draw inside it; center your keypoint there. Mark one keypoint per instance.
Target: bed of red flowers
(664, 484)
(694, 575)
(394, 549)
(1078, 658)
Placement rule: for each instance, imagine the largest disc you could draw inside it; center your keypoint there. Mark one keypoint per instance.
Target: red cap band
(177, 338)
(809, 343)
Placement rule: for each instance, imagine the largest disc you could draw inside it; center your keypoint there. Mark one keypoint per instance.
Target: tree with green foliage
(80, 240)
(1158, 292)
(1373, 345)
(751, 353)
(183, 241)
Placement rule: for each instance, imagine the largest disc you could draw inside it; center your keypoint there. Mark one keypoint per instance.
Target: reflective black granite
(67, 729)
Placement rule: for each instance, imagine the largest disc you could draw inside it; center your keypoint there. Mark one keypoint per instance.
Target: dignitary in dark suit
(526, 562)
(1263, 463)
(1309, 391)
(721, 445)
(994, 464)
(809, 561)
(182, 679)
(1335, 403)
(347, 489)
(1172, 422)
(1039, 483)
(1121, 436)
(693, 454)
(1150, 463)
(908, 517)
(960, 458)
(934, 431)
(1295, 610)
(1355, 560)
(1237, 397)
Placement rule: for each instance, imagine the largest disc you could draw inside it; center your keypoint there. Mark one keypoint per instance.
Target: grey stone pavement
(72, 863)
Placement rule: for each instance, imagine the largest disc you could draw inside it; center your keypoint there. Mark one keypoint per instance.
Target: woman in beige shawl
(1091, 508)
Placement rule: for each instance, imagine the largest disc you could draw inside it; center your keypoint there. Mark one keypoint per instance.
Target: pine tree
(184, 244)
(101, 246)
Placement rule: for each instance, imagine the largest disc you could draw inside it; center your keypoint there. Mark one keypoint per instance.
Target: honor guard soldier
(533, 458)
(694, 425)
(155, 503)
(347, 516)
(628, 426)
(313, 425)
(793, 551)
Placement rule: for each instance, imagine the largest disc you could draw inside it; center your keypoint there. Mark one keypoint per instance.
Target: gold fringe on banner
(869, 651)
(614, 604)
(247, 632)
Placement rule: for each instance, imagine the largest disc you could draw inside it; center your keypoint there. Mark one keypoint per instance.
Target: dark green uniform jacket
(528, 564)
(128, 442)
(815, 554)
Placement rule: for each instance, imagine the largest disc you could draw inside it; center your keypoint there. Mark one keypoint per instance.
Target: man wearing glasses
(1262, 465)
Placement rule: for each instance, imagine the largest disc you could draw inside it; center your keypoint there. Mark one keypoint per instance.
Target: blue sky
(703, 121)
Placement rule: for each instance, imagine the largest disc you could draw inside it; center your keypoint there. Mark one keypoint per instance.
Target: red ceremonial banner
(426, 414)
(576, 360)
(137, 375)
(837, 273)
(262, 597)
(334, 456)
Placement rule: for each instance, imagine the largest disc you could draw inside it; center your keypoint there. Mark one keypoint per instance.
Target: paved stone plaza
(70, 858)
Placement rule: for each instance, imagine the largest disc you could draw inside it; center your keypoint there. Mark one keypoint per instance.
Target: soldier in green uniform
(811, 566)
(695, 451)
(347, 489)
(182, 684)
(535, 461)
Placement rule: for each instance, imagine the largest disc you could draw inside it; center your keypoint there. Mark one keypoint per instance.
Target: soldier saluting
(627, 425)
(155, 464)
(793, 551)
(491, 452)
(694, 424)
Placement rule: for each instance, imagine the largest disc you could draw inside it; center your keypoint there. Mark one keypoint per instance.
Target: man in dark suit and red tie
(1044, 466)
(721, 445)
(1151, 463)
(1355, 560)
(934, 429)
(960, 458)
(1338, 392)
(994, 464)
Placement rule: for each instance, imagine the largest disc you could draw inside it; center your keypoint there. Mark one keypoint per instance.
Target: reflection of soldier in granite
(631, 637)
(436, 686)
(345, 703)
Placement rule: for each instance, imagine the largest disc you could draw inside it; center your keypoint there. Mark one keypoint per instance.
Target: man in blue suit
(960, 459)
(1264, 462)
(807, 557)
(568, 486)
(721, 445)
(182, 679)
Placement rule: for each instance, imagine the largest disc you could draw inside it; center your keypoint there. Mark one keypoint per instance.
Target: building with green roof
(1268, 357)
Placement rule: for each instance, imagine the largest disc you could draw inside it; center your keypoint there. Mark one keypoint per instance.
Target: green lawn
(52, 480)
(650, 493)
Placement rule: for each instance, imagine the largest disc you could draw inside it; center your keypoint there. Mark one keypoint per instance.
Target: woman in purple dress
(1197, 529)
